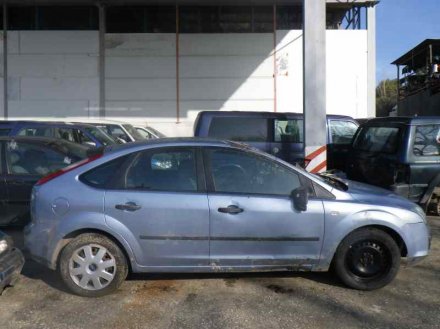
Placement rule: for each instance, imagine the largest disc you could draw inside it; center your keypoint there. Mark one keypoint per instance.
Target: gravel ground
(276, 300)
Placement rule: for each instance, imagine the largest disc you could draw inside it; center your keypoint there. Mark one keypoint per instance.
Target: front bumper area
(11, 264)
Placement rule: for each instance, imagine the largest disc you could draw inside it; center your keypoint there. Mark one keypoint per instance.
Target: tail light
(65, 170)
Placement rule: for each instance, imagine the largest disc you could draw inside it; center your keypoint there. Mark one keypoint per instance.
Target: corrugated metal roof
(418, 50)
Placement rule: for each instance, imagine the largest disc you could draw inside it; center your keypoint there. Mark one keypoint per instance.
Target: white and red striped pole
(316, 159)
(314, 77)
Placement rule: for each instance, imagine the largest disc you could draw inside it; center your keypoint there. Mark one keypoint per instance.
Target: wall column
(5, 61)
(314, 77)
(102, 30)
(371, 61)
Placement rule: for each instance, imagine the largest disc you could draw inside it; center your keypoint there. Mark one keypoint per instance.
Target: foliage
(386, 97)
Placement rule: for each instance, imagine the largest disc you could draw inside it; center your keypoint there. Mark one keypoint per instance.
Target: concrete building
(418, 76)
(143, 62)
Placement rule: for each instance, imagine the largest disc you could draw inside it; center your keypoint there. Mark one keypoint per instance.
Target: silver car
(189, 205)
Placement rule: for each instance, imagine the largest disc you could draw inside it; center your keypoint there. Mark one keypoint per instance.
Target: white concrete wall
(53, 73)
(141, 78)
(346, 72)
(225, 72)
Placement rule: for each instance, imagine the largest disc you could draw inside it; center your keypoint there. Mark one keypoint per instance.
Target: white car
(122, 132)
(149, 132)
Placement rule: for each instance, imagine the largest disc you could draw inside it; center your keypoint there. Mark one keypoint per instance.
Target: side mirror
(300, 198)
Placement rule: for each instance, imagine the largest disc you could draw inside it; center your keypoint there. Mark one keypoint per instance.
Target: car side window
(291, 131)
(36, 132)
(32, 159)
(427, 140)
(101, 176)
(235, 171)
(240, 129)
(4, 132)
(342, 131)
(65, 133)
(163, 170)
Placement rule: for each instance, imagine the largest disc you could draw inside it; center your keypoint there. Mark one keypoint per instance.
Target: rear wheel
(92, 265)
(367, 259)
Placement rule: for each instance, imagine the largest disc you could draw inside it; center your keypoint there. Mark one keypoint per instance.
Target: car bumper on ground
(11, 264)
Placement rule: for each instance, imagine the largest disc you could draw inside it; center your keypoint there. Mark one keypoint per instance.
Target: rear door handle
(233, 210)
(129, 206)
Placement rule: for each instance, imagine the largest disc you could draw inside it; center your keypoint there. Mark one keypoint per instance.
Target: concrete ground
(277, 300)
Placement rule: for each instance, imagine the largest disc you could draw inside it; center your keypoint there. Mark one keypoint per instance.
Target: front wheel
(92, 265)
(367, 259)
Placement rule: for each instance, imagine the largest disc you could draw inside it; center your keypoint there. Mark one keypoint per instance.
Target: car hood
(375, 195)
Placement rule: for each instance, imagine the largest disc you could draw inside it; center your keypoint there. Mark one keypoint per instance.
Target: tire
(434, 206)
(367, 259)
(92, 265)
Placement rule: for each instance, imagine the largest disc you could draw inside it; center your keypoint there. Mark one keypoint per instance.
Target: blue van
(77, 133)
(280, 134)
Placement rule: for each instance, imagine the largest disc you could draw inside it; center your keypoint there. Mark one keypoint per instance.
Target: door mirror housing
(300, 198)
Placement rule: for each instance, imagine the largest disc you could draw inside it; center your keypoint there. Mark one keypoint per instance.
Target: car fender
(83, 222)
(339, 227)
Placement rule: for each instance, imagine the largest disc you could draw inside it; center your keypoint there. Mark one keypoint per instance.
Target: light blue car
(190, 205)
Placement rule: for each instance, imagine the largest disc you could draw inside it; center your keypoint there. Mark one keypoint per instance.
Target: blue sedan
(190, 205)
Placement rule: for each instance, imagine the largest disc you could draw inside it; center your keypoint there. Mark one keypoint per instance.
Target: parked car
(121, 132)
(401, 154)
(188, 205)
(149, 132)
(24, 160)
(280, 134)
(11, 262)
(77, 133)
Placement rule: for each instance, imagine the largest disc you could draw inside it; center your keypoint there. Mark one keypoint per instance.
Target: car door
(340, 135)
(252, 218)
(160, 198)
(376, 154)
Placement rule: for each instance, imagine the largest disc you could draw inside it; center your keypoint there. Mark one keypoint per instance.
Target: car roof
(44, 123)
(43, 140)
(265, 114)
(175, 142)
(404, 120)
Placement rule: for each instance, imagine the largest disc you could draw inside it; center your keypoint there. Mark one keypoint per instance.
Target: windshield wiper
(336, 182)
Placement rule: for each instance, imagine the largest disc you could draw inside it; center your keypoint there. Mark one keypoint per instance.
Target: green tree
(386, 97)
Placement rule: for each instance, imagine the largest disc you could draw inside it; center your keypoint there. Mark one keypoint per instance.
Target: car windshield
(101, 136)
(133, 132)
(156, 132)
(377, 139)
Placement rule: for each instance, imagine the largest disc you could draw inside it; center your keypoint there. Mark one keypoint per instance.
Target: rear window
(342, 131)
(377, 139)
(239, 129)
(427, 140)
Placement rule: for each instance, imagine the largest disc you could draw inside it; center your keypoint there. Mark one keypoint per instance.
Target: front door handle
(233, 210)
(129, 206)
